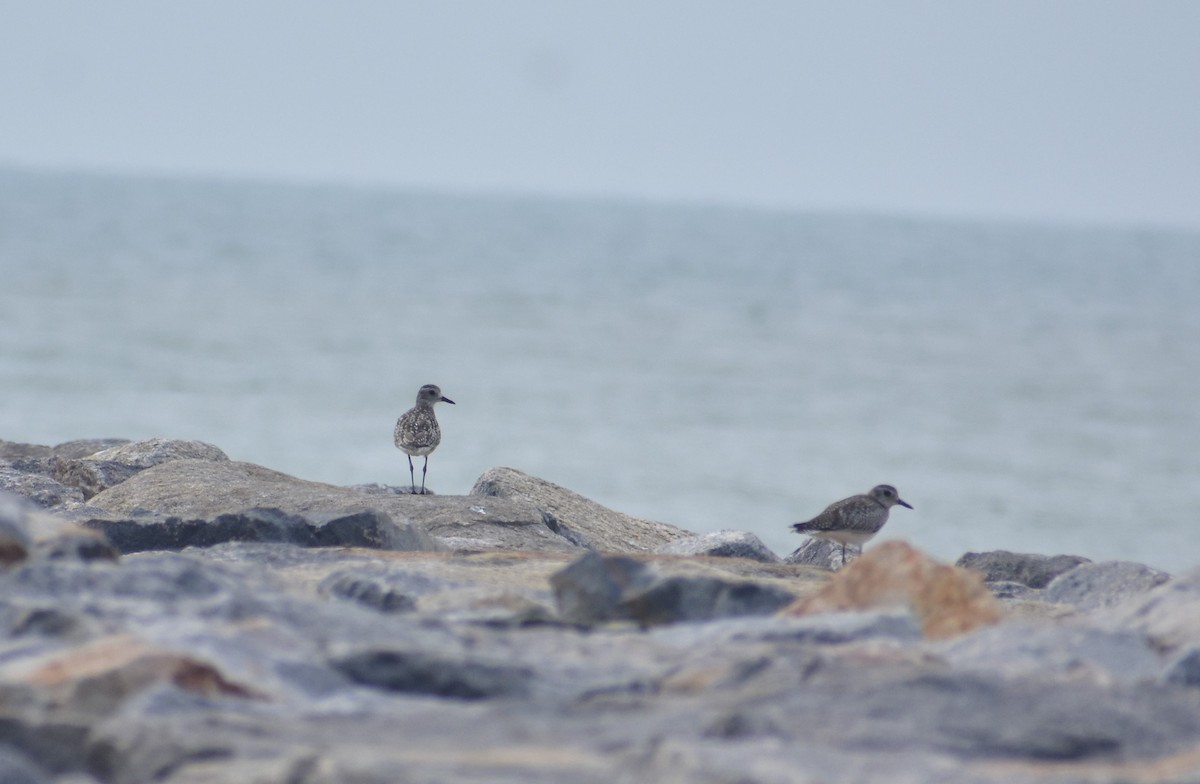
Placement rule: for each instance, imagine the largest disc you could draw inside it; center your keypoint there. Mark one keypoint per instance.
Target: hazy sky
(1050, 110)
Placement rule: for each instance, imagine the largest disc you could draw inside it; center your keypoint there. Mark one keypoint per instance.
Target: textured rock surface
(581, 519)
(15, 541)
(1169, 614)
(207, 490)
(100, 470)
(725, 544)
(39, 488)
(1034, 571)
(597, 588)
(1103, 584)
(367, 528)
(818, 552)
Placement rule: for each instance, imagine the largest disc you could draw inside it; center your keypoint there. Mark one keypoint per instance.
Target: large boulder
(1168, 613)
(599, 588)
(579, 519)
(206, 490)
(97, 471)
(1104, 584)
(1029, 569)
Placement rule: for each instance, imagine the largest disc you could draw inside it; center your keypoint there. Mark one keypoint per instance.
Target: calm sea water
(1028, 388)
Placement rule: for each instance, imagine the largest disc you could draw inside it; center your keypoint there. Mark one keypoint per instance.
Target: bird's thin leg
(412, 477)
(843, 553)
(424, 468)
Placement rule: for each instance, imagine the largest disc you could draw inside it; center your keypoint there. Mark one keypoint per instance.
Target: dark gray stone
(16, 768)
(421, 672)
(597, 588)
(1184, 670)
(1104, 584)
(725, 544)
(1035, 571)
(367, 528)
(685, 598)
(364, 528)
(368, 591)
(591, 589)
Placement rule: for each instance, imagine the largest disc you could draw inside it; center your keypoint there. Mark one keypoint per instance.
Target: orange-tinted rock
(947, 600)
(102, 673)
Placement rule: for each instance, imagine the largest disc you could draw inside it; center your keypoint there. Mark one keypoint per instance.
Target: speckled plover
(417, 431)
(853, 520)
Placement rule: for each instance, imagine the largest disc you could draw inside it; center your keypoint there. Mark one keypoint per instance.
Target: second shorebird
(417, 432)
(853, 520)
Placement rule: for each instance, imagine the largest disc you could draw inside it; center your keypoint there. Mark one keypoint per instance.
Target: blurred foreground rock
(237, 624)
(947, 600)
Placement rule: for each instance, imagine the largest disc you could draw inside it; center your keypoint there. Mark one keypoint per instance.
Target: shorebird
(853, 520)
(417, 431)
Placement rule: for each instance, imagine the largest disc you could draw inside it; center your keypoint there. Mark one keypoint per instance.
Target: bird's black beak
(451, 402)
(904, 503)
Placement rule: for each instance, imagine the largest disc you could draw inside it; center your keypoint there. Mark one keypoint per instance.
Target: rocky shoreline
(170, 615)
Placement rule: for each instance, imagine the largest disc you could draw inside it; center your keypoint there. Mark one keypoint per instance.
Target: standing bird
(417, 431)
(853, 520)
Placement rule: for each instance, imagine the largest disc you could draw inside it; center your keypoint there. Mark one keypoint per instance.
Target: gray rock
(600, 527)
(83, 447)
(725, 544)
(1103, 584)
(1184, 670)
(206, 489)
(1035, 571)
(1169, 614)
(818, 552)
(156, 451)
(839, 628)
(422, 672)
(38, 488)
(15, 541)
(369, 591)
(14, 450)
(100, 470)
(1004, 589)
(367, 528)
(88, 476)
(592, 589)
(1025, 649)
(598, 588)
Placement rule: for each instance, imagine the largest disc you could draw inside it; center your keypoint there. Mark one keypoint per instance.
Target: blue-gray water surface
(1031, 388)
